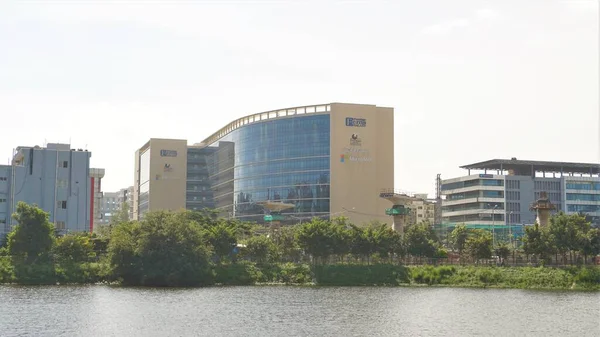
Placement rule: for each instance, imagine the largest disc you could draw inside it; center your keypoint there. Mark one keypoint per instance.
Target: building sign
(168, 168)
(355, 141)
(486, 176)
(354, 158)
(168, 153)
(356, 122)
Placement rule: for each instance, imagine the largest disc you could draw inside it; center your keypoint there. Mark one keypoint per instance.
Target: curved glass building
(294, 164)
(280, 159)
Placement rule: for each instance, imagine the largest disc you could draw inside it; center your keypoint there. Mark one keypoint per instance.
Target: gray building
(500, 192)
(56, 178)
(112, 202)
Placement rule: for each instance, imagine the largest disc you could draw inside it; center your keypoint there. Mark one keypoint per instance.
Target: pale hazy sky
(469, 80)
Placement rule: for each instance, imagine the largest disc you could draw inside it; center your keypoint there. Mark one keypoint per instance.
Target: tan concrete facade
(166, 172)
(368, 164)
(361, 161)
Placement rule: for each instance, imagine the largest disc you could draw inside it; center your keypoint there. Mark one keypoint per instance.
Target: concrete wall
(168, 169)
(368, 165)
(47, 177)
(5, 174)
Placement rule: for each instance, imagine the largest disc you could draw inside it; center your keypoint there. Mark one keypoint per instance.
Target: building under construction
(506, 195)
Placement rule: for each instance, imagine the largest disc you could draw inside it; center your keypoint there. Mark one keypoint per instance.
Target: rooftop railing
(263, 116)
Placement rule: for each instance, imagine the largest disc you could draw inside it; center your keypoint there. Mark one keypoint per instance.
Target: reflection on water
(291, 311)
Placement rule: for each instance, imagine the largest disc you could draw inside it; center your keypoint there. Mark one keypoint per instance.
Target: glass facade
(475, 182)
(583, 185)
(198, 192)
(283, 160)
(583, 197)
(583, 208)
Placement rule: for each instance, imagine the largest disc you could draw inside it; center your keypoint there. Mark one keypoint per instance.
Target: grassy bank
(248, 273)
(393, 275)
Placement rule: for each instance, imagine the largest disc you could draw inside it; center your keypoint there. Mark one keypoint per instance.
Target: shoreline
(576, 279)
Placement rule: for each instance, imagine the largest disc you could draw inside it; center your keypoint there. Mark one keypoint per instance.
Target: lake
(295, 311)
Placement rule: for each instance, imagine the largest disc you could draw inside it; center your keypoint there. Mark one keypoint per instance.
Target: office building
(503, 192)
(57, 179)
(112, 202)
(290, 164)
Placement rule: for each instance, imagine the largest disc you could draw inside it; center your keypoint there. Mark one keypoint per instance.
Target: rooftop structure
(530, 167)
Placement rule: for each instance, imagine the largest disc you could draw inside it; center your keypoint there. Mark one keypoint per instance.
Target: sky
(469, 80)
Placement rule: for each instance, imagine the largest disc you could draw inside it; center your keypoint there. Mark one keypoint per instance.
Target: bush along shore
(175, 249)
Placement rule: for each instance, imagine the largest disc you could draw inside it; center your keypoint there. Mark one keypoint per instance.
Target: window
(62, 204)
(3, 179)
(2, 220)
(65, 164)
(60, 225)
(2, 200)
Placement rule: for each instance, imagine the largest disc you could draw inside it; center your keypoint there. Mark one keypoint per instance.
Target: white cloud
(445, 27)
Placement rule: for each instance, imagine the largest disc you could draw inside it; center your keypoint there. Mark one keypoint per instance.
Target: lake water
(295, 311)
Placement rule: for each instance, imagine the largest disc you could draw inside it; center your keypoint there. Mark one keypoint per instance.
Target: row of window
(513, 184)
(3, 178)
(513, 195)
(583, 185)
(547, 185)
(475, 182)
(583, 197)
(583, 208)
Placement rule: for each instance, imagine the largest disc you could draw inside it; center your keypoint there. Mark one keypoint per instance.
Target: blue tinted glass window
(284, 160)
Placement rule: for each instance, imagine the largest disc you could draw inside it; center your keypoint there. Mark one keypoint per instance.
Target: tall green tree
(30, 245)
(223, 239)
(261, 249)
(317, 238)
(164, 249)
(459, 237)
(479, 244)
(420, 240)
(536, 242)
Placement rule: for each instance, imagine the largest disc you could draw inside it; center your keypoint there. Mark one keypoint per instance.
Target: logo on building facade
(168, 168)
(168, 153)
(356, 122)
(355, 140)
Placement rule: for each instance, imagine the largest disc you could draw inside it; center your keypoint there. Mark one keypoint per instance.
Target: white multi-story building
(503, 193)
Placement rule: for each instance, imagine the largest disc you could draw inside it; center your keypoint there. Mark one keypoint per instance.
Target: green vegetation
(199, 249)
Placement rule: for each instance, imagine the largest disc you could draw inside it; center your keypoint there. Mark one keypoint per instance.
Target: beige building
(290, 164)
(422, 210)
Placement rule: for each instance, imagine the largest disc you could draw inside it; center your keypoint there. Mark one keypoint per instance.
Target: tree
(502, 250)
(74, 248)
(73, 254)
(261, 249)
(459, 237)
(479, 244)
(317, 238)
(535, 242)
(420, 240)
(30, 244)
(164, 249)
(222, 238)
(287, 245)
